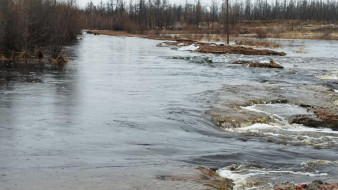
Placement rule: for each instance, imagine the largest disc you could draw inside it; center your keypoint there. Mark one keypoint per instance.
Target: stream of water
(123, 113)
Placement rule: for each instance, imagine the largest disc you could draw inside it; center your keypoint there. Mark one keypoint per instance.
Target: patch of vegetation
(34, 24)
(258, 43)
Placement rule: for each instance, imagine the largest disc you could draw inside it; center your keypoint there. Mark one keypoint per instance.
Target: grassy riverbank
(288, 29)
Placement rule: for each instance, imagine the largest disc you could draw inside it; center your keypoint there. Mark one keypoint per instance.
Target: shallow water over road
(123, 113)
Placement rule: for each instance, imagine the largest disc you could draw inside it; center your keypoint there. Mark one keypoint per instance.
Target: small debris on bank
(93, 32)
(315, 185)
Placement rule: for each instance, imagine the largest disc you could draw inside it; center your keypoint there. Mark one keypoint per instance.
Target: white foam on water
(329, 76)
(335, 102)
(257, 127)
(191, 47)
(231, 175)
(283, 132)
(250, 178)
(265, 61)
(252, 108)
(240, 179)
(299, 128)
(300, 173)
(319, 162)
(281, 111)
(292, 134)
(286, 127)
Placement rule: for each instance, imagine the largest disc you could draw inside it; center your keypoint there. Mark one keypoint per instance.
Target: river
(124, 113)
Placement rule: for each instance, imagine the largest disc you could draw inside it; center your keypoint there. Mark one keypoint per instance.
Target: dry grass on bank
(110, 32)
(164, 36)
(291, 29)
(3, 58)
(28, 61)
(258, 43)
(223, 49)
(203, 37)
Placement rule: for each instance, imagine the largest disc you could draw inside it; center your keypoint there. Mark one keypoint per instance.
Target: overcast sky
(83, 3)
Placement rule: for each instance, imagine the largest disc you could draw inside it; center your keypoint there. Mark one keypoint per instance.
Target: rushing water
(123, 112)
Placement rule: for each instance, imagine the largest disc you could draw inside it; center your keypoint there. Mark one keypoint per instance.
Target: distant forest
(159, 14)
(31, 24)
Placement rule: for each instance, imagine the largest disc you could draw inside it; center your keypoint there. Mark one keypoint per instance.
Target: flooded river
(124, 112)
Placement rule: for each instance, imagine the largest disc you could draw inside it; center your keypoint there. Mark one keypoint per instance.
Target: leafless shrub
(2, 57)
(58, 63)
(261, 33)
(39, 53)
(37, 23)
(24, 55)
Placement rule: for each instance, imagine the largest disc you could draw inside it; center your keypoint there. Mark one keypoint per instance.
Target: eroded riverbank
(126, 115)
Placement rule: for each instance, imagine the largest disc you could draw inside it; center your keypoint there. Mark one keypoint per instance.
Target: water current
(124, 112)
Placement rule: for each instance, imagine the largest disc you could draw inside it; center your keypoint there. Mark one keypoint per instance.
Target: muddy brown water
(123, 113)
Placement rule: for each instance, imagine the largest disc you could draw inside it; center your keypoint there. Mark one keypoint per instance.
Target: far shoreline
(282, 29)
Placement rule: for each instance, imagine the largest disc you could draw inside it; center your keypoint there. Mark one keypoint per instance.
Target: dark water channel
(123, 113)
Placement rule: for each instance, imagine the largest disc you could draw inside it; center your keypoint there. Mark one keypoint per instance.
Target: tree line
(159, 14)
(31, 24)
